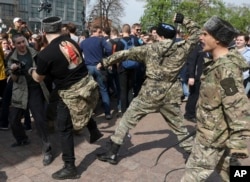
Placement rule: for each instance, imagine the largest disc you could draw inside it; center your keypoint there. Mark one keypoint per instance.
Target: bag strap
(168, 50)
(125, 43)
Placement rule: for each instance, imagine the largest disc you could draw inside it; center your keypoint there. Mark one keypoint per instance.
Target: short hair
(64, 29)
(17, 35)
(71, 27)
(126, 28)
(85, 33)
(94, 29)
(114, 31)
(246, 37)
(136, 25)
(107, 30)
(152, 28)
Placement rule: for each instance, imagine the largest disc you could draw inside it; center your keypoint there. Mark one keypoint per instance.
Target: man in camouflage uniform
(223, 117)
(163, 60)
(77, 91)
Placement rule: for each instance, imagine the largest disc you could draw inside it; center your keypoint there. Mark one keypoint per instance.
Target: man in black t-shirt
(77, 91)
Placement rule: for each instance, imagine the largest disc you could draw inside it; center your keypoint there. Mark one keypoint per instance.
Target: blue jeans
(185, 88)
(100, 79)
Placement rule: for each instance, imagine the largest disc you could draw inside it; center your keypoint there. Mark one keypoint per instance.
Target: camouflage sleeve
(135, 53)
(193, 36)
(235, 106)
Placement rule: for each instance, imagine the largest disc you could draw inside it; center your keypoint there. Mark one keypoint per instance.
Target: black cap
(166, 30)
(52, 24)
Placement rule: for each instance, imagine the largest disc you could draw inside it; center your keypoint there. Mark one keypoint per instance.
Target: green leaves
(163, 11)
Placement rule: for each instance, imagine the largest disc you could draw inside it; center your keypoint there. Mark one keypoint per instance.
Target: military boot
(67, 172)
(94, 132)
(111, 155)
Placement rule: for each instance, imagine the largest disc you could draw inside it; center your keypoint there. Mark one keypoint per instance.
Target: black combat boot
(94, 132)
(67, 172)
(111, 155)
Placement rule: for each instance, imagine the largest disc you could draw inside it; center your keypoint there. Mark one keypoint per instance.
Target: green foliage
(199, 10)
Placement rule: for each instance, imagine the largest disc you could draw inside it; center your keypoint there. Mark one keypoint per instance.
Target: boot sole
(70, 177)
(107, 160)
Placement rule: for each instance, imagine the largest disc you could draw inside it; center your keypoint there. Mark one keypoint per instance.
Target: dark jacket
(195, 62)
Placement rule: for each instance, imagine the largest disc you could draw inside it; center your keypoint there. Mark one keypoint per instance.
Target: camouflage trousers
(203, 161)
(144, 104)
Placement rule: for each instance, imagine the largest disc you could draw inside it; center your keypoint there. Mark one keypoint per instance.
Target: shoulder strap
(125, 44)
(168, 50)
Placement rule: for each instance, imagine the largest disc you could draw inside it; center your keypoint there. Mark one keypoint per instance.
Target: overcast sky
(134, 10)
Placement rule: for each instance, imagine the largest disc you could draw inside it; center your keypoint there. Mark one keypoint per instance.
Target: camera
(21, 68)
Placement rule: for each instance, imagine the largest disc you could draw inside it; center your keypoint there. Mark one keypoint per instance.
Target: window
(60, 3)
(79, 5)
(70, 16)
(70, 4)
(34, 12)
(59, 13)
(7, 10)
(23, 5)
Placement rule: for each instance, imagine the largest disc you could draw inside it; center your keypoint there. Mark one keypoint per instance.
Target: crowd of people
(144, 71)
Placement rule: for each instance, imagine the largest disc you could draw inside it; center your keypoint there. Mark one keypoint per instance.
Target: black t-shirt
(62, 60)
(26, 62)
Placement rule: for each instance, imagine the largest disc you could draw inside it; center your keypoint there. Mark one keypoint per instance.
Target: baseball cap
(17, 19)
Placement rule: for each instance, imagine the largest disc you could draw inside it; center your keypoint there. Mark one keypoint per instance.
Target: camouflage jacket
(81, 99)
(162, 63)
(223, 108)
(163, 60)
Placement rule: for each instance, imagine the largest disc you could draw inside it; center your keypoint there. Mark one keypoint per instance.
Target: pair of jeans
(100, 79)
(114, 84)
(185, 88)
(126, 79)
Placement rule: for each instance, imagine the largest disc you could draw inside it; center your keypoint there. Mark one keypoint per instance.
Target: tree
(239, 16)
(107, 10)
(163, 10)
(200, 10)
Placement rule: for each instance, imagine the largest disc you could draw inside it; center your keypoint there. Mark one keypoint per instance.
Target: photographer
(26, 93)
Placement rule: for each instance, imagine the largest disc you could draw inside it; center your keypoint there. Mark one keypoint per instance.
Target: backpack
(129, 64)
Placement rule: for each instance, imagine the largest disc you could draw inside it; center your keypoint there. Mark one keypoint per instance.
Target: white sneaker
(185, 99)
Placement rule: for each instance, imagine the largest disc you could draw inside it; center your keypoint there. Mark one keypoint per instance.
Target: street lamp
(45, 6)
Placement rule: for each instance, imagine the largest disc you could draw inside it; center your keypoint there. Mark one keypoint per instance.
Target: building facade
(68, 10)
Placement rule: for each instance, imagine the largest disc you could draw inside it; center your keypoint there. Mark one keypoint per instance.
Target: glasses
(138, 30)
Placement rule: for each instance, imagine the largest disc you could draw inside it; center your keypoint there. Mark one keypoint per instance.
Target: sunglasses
(138, 30)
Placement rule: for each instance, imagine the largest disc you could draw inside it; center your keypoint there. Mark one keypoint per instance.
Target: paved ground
(137, 155)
